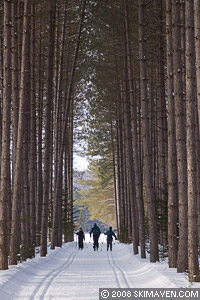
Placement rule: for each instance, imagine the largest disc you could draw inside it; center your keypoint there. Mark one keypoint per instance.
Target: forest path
(69, 273)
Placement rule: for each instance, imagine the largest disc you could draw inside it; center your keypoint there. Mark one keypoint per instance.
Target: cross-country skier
(81, 237)
(110, 235)
(96, 234)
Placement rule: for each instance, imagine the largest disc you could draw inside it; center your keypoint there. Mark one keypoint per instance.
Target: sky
(80, 163)
(68, 273)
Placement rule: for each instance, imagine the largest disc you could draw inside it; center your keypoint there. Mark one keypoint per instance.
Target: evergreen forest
(117, 81)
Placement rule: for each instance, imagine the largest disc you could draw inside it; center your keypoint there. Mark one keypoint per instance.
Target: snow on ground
(69, 273)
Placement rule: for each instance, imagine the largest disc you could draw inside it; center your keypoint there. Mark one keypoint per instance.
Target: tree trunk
(137, 170)
(39, 198)
(162, 129)
(25, 197)
(16, 204)
(32, 145)
(182, 259)
(193, 264)
(5, 155)
(120, 172)
(172, 162)
(131, 199)
(48, 118)
(148, 175)
(197, 62)
(15, 77)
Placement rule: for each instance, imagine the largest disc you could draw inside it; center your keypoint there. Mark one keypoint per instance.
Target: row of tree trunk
(39, 50)
(157, 130)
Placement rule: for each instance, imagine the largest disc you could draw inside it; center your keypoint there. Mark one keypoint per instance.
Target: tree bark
(32, 145)
(147, 159)
(39, 198)
(48, 118)
(193, 264)
(182, 259)
(5, 155)
(172, 162)
(197, 62)
(16, 204)
(134, 147)
(162, 130)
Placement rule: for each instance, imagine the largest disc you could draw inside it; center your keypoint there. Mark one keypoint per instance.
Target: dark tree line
(39, 50)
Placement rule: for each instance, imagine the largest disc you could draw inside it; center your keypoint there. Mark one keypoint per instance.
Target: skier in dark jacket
(81, 237)
(110, 235)
(96, 234)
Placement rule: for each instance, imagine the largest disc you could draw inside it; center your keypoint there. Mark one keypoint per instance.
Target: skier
(110, 235)
(81, 237)
(96, 234)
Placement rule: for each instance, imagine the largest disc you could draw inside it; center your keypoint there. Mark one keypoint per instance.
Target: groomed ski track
(69, 273)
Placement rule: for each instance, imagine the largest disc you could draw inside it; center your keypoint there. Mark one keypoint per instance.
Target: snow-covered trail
(68, 273)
